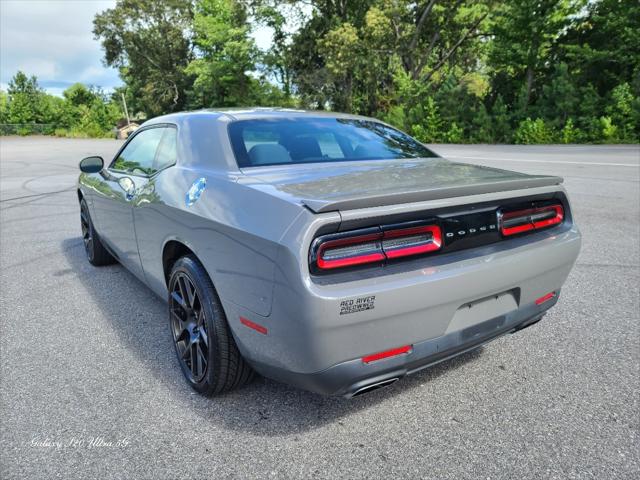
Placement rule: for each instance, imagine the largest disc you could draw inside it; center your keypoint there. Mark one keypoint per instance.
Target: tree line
(510, 71)
(81, 111)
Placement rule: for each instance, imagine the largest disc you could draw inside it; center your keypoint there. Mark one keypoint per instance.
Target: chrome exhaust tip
(375, 386)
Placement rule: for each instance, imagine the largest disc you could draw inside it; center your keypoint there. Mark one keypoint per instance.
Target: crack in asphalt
(36, 194)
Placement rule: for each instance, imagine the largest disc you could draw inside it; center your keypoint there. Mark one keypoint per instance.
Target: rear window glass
(312, 140)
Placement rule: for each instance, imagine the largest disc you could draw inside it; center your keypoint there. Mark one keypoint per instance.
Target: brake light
(411, 241)
(345, 252)
(386, 354)
(536, 218)
(377, 245)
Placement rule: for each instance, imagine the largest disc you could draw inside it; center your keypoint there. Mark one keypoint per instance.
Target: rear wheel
(205, 347)
(97, 254)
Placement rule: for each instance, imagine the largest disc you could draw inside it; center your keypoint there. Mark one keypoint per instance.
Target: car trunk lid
(324, 187)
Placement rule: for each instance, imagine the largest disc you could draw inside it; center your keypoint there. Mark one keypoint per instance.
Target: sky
(52, 40)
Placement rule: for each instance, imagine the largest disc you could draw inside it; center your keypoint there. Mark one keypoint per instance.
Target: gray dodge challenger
(328, 251)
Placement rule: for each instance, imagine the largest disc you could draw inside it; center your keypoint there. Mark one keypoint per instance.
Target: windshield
(312, 140)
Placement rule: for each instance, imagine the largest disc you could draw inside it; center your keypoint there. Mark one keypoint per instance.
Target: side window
(168, 149)
(138, 156)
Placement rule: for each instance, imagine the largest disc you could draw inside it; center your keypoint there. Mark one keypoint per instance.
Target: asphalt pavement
(90, 387)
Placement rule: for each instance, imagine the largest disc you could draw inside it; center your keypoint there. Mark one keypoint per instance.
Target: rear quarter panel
(233, 230)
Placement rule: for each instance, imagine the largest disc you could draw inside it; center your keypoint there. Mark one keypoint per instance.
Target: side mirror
(91, 164)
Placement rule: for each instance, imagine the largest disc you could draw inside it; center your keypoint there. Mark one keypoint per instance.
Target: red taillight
(545, 298)
(411, 241)
(520, 221)
(378, 246)
(386, 354)
(345, 252)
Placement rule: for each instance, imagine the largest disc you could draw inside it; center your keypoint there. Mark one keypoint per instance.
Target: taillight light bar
(377, 245)
(405, 242)
(512, 223)
(345, 252)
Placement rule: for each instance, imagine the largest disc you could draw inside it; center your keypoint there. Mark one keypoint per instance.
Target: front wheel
(205, 347)
(97, 254)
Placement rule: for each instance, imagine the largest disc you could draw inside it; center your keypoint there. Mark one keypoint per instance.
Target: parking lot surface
(90, 387)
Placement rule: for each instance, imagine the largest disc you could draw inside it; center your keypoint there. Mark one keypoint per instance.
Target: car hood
(326, 187)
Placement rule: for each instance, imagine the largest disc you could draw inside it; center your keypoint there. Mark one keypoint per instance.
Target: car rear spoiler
(360, 201)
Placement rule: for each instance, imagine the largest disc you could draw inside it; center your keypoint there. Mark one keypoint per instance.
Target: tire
(200, 332)
(97, 254)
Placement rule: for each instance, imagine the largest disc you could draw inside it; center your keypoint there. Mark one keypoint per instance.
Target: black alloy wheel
(205, 347)
(96, 252)
(189, 328)
(87, 233)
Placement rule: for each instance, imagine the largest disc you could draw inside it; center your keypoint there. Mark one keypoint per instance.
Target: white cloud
(38, 67)
(53, 40)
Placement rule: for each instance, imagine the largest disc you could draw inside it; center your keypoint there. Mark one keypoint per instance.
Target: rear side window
(167, 150)
(313, 140)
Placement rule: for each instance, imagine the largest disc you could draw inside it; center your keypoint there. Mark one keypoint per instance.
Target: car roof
(251, 113)
(209, 146)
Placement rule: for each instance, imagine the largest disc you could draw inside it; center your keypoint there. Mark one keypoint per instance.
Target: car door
(152, 219)
(127, 175)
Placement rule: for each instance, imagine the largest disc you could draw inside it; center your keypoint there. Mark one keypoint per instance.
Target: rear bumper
(310, 342)
(354, 376)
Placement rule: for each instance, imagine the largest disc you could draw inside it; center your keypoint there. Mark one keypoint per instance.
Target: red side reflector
(258, 328)
(389, 353)
(545, 298)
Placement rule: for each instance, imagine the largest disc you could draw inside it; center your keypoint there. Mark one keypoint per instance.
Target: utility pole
(126, 112)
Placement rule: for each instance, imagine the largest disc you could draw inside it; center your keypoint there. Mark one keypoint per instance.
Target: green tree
(148, 40)
(433, 37)
(86, 111)
(430, 127)
(226, 55)
(79, 94)
(621, 110)
(277, 60)
(608, 131)
(347, 54)
(4, 107)
(533, 132)
(569, 133)
(482, 128)
(502, 130)
(25, 100)
(558, 101)
(342, 49)
(602, 46)
(316, 85)
(525, 33)
(590, 107)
